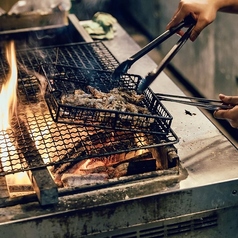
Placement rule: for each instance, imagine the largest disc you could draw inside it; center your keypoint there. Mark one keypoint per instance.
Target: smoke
(85, 9)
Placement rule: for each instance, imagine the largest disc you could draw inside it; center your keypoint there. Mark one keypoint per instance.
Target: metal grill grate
(35, 140)
(85, 55)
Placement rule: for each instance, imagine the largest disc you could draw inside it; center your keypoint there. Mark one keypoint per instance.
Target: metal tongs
(125, 65)
(189, 22)
(208, 104)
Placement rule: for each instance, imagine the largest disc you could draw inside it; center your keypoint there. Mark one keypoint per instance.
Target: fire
(8, 94)
(8, 100)
(8, 105)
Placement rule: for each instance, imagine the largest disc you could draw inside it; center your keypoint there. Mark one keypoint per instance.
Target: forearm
(229, 6)
(203, 11)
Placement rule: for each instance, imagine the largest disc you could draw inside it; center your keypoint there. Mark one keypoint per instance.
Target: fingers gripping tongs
(124, 66)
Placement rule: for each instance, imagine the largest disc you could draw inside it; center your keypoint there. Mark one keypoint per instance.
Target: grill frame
(58, 143)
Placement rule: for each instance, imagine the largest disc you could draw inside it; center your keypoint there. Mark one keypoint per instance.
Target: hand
(203, 11)
(229, 114)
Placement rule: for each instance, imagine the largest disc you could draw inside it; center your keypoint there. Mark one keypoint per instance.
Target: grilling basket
(92, 98)
(108, 97)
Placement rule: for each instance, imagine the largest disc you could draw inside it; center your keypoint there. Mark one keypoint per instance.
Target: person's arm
(203, 11)
(230, 115)
(229, 6)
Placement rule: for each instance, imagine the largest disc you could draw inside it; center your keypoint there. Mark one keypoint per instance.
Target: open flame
(8, 105)
(8, 94)
(8, 100)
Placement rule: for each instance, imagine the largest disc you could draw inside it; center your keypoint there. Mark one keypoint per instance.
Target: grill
(34, 132)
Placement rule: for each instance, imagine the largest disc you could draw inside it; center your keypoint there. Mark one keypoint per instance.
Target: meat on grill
(118, 99)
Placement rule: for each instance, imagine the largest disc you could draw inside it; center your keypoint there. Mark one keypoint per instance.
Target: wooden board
(42, 182)
(4, 194)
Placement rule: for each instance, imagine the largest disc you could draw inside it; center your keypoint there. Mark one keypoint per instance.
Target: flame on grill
(8, 95)
(8, 101)
(8, 106)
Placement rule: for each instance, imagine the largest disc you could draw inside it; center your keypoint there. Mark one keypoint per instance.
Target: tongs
(125, 65)
(189, 21)
(208, 104)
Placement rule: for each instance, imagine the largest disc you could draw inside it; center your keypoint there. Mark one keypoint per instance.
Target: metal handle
(145, 83)
(124, 66)
(187, 21)
(209, 104)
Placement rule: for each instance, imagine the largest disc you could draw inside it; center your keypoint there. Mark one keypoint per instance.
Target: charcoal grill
(34, 120)
(191, 199)
(37, 140)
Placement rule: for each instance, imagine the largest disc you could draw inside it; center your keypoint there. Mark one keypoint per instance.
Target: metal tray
(32, 21)
(64, 81)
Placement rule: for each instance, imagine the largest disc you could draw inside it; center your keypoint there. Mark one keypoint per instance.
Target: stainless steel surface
(75, 22)
(194, 212)
(199, 202)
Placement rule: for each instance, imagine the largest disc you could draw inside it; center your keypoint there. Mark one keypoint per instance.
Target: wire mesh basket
(70, 100)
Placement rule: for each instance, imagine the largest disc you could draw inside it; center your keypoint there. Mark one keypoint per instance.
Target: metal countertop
(204, 152)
